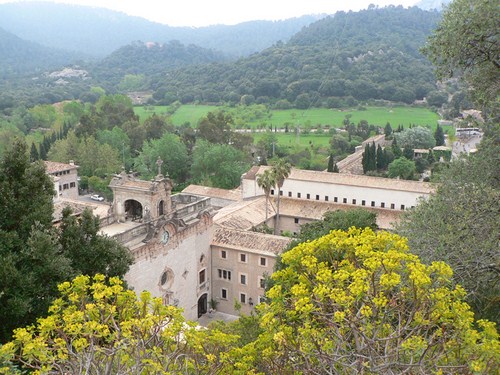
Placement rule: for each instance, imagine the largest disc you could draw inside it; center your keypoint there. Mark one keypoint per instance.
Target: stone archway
(202, 304)
(133, 210)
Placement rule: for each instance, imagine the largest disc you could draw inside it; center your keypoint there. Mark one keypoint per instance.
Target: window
(290, 194)
(223, 293)
(373, 203)
(224, 274)
(243, 298)
(281, 192)
(363, 203)
(223, 254)
(298, 195)
(326, 198)
(317, 197)
(201, 277)
(263, 261)
(335, 199)
(382, 204)
(262, 283)
(296, 220)
(392, 206)
(60, 187)
(262, 299)
(402, 206)
(354, 201)
(308, 196)
(72, 185)
(243, 258)
(344, 200)
(65, 186)
(243, 279)
(272, 191)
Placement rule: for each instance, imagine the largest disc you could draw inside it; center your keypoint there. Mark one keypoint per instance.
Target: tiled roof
(244, 215)
(233, 195)
(314, 210)
(356, 180)
(249, 241)
(53, 166)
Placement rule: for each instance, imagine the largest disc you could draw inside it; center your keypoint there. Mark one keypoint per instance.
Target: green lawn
(290, 140)
(311, 117)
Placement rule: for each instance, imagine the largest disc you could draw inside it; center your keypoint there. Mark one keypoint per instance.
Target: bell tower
(140, 200)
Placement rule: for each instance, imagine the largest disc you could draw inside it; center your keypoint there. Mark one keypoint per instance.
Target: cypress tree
(373, 157)
(330, 163)
(388, 130)
(396, 150)
(43, 152)
(408, 153)
(439, 136)
(380, 158)
(365, 158)
(34, 156)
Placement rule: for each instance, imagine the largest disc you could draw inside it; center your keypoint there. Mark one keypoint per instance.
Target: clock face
(165, 237)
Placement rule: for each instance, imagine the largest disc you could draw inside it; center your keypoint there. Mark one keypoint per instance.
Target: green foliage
(402, 168)
(337, 220)
(218, 165)
(171, 150)
(359, 302)
(460, 225)
(439, 136)
(35, 255)
(465, 44)
(416, 137)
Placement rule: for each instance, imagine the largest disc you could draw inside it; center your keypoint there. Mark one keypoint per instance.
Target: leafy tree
(280, 171)
(218, 165)
(359, 302)
(460, 225)
(91, 253)
(337, 220)
(266, 182)
(171, 150)
(466, 43)
(439, 136)
(216, 127)
(416, 137)
(105, 328)
(402, 167)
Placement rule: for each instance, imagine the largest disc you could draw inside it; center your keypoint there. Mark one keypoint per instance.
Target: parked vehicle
(97, 197)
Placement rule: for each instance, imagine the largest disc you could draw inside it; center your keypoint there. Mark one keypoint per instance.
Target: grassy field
(312, 117)
(290, 140)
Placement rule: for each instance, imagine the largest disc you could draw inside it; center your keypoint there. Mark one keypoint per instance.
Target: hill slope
(354, 56)
(98, 31)
(20, 56)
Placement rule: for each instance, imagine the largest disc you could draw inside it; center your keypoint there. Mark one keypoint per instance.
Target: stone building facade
(65, 178)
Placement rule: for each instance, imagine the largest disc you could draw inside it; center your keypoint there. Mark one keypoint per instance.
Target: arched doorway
(133, 210)
(202, 304)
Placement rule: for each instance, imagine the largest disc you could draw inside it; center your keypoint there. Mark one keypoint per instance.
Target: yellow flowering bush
(360, 302)
(99, 327)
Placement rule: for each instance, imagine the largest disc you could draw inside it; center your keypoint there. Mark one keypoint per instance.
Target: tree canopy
(460, 225)
(466, 44)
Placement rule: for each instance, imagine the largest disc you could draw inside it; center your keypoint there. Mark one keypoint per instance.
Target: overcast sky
(229, 12)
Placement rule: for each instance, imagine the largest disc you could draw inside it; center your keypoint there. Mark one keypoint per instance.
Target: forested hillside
(19, 56)
(140, 63)
(79, 28)
(351, 57)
